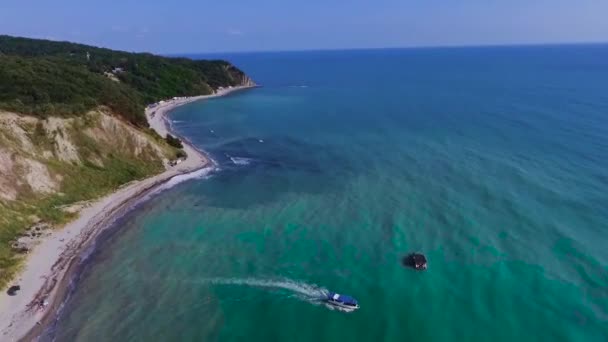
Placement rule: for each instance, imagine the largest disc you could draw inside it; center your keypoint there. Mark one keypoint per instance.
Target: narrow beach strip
(48, 268)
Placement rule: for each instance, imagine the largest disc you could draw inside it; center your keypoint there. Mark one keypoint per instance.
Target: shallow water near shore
(491, 161)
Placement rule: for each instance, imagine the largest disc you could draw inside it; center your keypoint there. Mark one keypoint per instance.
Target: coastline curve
(51, 268)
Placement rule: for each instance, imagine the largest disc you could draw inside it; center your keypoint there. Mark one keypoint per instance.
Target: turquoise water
(491, 161)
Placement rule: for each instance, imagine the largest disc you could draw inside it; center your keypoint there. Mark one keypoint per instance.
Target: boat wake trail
(307, 292)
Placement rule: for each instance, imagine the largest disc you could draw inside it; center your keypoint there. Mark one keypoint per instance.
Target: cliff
(73, 128)
(50, 167)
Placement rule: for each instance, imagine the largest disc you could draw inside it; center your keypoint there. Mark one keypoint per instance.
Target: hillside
(48, 166)
(48, 78)
(73, 128)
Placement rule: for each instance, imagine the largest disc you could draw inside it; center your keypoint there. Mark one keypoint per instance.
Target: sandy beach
(46, 273)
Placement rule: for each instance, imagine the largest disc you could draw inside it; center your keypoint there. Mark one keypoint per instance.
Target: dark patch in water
(277, 153)
(267, 170)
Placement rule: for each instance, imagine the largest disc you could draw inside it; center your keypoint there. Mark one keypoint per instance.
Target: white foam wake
(303, 290)
(310, 293)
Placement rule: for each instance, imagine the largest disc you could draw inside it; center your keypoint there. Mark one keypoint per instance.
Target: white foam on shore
(203, 173)
(45, 269)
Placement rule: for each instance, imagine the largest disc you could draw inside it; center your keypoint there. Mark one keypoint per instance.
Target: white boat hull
(342, 306)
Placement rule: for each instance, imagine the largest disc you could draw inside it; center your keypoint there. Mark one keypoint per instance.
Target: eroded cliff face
(34, 152)
(246, 81)
(46, 166)
(239, 77)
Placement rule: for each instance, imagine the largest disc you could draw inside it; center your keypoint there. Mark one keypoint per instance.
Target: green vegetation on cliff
(47, 87)
(42, 78)
(74, 143)
(48, 166)
(173, 141)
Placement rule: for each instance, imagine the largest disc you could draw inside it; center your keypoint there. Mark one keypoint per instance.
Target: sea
(490, 161)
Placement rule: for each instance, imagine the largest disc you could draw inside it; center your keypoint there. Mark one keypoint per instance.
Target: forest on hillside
(42, 78)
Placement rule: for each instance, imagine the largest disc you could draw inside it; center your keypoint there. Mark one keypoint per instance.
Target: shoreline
(157, 116)
(48, 270)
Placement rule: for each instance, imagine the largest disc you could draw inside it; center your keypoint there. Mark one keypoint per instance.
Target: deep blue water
(491, 161)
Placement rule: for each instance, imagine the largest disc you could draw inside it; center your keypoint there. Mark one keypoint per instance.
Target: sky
(202, 26)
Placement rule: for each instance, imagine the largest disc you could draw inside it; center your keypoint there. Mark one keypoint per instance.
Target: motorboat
(341, 301)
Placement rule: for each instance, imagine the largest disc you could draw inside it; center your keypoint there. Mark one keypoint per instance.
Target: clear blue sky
(182, 26)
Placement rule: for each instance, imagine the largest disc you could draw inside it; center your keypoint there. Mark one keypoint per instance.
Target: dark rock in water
(415, 260)
(13, 290)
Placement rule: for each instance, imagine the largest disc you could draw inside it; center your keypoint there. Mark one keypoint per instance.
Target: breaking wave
(203, 173)
(241, 160)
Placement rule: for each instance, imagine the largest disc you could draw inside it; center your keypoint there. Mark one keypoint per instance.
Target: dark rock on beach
(13, 290)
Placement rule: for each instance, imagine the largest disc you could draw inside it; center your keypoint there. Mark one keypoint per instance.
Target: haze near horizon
(190, 26)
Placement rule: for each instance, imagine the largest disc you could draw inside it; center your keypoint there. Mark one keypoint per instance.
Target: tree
(41, 77)
(173, 141)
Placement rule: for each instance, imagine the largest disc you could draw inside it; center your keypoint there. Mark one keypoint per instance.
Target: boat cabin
(342, 299)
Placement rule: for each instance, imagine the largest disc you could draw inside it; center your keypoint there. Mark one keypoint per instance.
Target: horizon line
(412, 47)
(447, 46)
